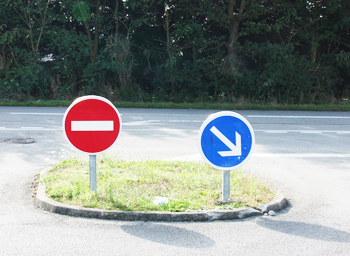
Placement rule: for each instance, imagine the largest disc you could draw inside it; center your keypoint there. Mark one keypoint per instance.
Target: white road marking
(271, 131)
(198, 157)
(313, 117)
(145, 122)
(185, 129)
(92, 126)
(31, 129)
(186, 115)
(303, 131)
(38, 114)
(183, 121)
(301, 155)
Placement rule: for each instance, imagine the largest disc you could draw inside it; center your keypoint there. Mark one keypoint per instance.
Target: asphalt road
(306, 155)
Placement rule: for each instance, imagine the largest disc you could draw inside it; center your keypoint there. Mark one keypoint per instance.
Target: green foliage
(287, 77)
(272, 51)
(81, 11)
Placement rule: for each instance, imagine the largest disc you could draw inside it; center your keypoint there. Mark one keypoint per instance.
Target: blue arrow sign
(226, 140)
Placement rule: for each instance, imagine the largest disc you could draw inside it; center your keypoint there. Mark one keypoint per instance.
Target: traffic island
(47, 204)
(275, 203)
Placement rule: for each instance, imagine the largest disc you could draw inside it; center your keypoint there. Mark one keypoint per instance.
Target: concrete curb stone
(279, 203)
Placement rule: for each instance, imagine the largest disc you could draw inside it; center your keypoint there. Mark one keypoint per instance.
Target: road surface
(306, 155)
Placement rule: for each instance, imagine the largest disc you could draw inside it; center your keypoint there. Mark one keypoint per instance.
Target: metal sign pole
(226, 141)
(226, 186)
(93, 179)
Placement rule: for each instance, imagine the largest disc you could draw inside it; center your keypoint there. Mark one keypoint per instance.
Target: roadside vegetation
(133, 186)
(344, 106)
(236, 52)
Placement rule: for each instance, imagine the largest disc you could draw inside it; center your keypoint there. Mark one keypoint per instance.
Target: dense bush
(175, 50)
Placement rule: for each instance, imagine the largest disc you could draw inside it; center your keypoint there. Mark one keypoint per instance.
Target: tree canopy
(176, 50)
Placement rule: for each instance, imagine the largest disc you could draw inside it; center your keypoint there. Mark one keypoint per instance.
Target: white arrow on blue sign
(226, 140)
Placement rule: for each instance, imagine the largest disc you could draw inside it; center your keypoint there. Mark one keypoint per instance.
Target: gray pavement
(306, 155)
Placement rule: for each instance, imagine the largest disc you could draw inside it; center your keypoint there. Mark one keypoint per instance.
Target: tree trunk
(233, 28)
(94, 50)
(314, 46)
(97, 32)
(168, 48)
(116, 19)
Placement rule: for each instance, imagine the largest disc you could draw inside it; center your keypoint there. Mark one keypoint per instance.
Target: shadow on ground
(169, 235)
(306, 230)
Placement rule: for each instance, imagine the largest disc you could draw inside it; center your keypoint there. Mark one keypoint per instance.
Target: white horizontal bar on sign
(92, 126)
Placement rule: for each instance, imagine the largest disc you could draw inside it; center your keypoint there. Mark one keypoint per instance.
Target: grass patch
(345, 106)
(133, 186)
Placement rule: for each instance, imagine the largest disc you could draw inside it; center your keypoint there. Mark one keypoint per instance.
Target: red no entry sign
(92, 124)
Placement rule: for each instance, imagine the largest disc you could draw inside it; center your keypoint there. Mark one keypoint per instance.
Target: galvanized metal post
(93, 179)
(226, 191)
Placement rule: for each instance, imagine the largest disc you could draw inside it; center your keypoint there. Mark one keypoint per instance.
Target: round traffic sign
(92, 124)
(226, 140)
